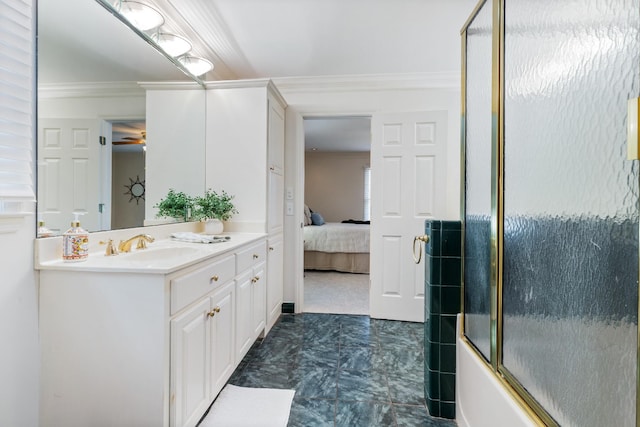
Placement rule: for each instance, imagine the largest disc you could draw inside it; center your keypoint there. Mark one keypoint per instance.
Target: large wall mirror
(89, 64)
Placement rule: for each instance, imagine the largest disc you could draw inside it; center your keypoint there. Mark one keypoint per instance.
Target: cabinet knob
(217, 309)
(256, 256)
(270, 248)
(214, 278)
(255, 279)
(211, 313)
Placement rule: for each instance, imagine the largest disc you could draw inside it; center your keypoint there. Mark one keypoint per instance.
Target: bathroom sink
(159, 254)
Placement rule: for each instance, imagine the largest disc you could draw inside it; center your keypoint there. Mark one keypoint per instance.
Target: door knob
(425, 239)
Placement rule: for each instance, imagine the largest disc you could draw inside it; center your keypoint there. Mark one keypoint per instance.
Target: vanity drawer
(251, 256)
(188, 287)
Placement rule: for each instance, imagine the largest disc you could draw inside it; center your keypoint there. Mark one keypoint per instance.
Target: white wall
(175, 156)
(480, 398)
(126, 211)
(334, 184)
(20, 355)
(308, 97)
(92, 106)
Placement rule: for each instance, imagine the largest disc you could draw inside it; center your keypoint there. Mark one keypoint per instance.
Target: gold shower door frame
(528, 403)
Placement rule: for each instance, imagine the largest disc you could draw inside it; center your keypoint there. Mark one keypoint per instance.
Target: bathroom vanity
(148, 338)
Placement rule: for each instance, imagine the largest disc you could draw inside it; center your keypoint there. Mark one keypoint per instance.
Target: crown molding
(90, 90)
(228, 84)
(368, 82)
(177, 85)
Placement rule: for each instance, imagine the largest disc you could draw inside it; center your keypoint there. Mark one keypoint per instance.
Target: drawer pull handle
(214, 278)
(256, 256)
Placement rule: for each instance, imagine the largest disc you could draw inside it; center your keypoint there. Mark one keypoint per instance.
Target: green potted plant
(213, 208)
(176, 205)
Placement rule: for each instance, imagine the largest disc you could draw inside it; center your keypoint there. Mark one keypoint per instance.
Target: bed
(337, 246)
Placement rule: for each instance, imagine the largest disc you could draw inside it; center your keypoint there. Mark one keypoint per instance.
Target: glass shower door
(477, 215)
(570, 264)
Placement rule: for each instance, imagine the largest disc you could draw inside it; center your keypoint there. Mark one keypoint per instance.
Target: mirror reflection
(92, 116)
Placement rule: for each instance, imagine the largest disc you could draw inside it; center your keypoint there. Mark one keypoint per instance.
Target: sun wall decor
(135, 189)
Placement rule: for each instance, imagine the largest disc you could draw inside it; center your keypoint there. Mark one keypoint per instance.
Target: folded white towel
(199, 238)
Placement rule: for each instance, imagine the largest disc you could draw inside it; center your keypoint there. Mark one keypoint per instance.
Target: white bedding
(337, 237)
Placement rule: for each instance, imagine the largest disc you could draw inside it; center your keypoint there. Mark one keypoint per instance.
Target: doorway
(128, 160)
(336, 225)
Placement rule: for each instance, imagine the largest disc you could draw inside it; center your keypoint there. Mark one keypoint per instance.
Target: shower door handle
(425, 239)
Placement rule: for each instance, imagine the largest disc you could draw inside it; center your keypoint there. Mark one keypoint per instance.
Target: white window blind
(367, 194)
(17, 85)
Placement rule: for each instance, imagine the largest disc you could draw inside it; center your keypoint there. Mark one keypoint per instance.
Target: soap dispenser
(75, 242)
(43, 231)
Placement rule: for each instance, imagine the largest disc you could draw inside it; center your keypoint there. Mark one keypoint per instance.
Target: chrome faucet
(125, 245)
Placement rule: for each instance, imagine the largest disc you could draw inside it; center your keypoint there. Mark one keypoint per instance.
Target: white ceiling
(337, 134)
(284, 38)
(79, 41)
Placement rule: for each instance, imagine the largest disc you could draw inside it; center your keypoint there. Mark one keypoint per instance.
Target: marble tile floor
(347, 370)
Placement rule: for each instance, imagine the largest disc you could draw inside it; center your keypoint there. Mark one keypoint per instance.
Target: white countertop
(163, 256)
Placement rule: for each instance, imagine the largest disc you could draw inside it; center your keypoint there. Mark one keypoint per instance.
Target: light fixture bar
(112, 9)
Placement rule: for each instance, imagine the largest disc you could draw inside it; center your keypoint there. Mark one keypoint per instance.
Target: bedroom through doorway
(336, 222)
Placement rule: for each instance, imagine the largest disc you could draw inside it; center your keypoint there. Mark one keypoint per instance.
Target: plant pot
(213, 226)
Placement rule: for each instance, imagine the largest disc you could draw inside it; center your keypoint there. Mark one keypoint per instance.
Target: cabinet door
(243, 314)
(275, 279)
(222, 334)
(276, 134)
(275, 199)
(258, 301)
(190, 365)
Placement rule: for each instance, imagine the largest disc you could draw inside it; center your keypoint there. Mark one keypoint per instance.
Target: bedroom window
(367, 194)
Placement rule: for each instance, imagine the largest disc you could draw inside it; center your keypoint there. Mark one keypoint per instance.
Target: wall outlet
(289, 208)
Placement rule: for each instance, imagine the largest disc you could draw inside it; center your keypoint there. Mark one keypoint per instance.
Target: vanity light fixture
(146, 21)
(140, 15)
(173, 44)
(196, 65)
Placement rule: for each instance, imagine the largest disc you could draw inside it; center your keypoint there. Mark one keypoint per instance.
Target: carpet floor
(336, 293)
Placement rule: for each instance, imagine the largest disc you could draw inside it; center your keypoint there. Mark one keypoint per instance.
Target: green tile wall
(443, 258)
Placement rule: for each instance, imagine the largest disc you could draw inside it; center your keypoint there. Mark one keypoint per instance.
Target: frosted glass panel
(571, 207)
(477, 221)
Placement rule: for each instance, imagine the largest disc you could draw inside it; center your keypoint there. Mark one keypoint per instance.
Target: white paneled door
(408, 181)
(69, 172)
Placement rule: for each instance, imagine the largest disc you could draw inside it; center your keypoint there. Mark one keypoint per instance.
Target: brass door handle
(214, 278)
(217, 309)
(211, 313)
(425, 239)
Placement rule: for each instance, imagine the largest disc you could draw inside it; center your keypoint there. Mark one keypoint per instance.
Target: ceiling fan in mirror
(129, 140)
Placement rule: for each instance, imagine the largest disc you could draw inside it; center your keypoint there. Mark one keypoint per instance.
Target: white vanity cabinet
(275, 279)
(251, 296)
(202, 339)
(245, 125)
(145, 348)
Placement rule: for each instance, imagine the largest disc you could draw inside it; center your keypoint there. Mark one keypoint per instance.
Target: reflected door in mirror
(68, 172)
